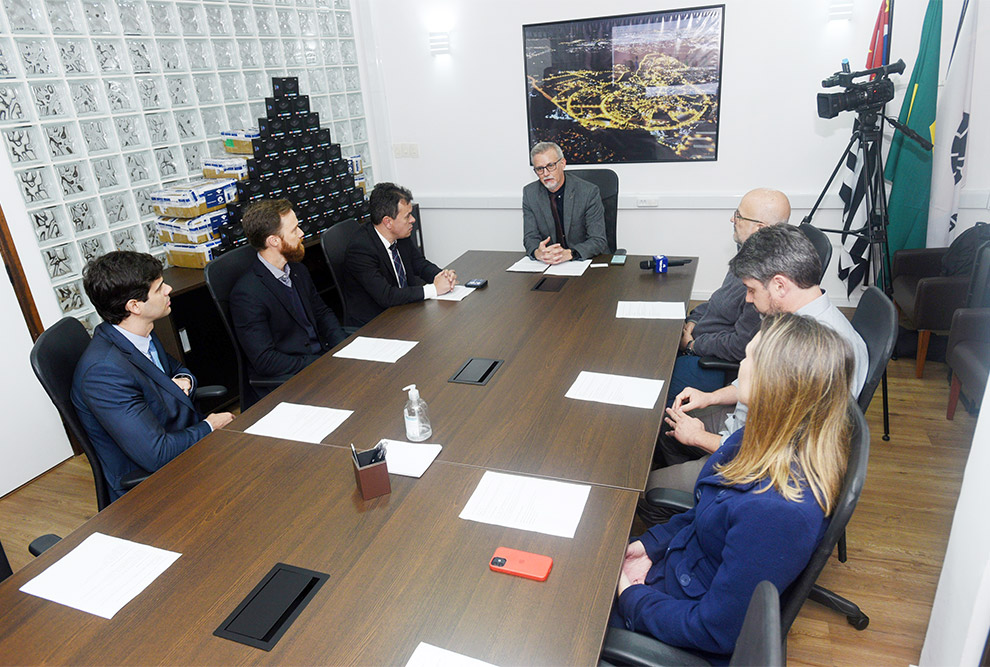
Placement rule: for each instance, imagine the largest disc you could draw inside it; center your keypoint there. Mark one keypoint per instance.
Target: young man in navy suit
(280, 320)
(383, 267)
(133, 399)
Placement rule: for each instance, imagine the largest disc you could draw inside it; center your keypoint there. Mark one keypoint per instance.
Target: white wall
(466, 112)
(960, 620)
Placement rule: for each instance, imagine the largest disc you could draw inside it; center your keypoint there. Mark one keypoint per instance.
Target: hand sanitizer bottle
(417, 417)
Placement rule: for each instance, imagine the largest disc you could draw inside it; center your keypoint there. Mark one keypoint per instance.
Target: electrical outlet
(647, 202)
(414, 150)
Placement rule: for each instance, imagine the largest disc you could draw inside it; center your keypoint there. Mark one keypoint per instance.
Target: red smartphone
(521, 563)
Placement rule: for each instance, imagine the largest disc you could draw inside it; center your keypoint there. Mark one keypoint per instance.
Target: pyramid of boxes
(292, 158)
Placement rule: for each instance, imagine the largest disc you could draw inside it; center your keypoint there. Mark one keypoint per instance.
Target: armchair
(924, 296)
(968, 355)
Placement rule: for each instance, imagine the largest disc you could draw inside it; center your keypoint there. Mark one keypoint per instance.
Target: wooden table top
(403, 568)
(520, 421)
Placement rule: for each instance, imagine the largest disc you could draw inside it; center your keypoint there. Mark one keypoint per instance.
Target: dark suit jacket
(584, 217)
(369, 277)
(274, 340)
(135, 415)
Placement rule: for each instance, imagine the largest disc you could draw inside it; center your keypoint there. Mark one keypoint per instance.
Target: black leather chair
(926, 297)
(334, 243)
(417, 231)
(968, 350)
(822, 245)
(759, 640)
(54, 358)
(5, 570)
(804, 587)
(608, 185)
(824, 248)
(221, 274)
(875, 320)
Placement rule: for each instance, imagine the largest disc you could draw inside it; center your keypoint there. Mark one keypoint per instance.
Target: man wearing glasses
(726, 323)
(561, 221)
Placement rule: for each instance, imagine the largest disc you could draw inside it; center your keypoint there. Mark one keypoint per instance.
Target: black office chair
(804, 587)
(54, 358)
(875, 320)
(417, 230)
(759, 641)
(334, 243)
(221, 274)
(608, 185)
(822, 245)
(5, 570)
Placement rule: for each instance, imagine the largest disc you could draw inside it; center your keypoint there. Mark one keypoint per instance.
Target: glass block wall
(104, 101)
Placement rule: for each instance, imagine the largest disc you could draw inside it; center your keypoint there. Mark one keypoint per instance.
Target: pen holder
(372, 480)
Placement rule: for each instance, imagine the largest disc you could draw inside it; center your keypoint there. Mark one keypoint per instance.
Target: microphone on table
(651, 264)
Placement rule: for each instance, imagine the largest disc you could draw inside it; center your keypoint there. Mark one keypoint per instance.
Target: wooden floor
(897, 536)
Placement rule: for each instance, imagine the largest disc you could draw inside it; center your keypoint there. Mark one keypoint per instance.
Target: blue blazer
(708, 560)
(135, 415)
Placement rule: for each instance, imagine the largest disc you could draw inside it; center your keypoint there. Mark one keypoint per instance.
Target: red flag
(879, 53)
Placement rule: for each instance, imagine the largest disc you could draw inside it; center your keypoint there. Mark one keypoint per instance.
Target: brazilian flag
(909, 166)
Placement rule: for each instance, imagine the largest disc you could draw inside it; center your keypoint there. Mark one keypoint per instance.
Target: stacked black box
(294, 159)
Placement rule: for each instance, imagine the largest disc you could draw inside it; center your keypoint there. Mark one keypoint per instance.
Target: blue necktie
(398, 265)
(153, 353)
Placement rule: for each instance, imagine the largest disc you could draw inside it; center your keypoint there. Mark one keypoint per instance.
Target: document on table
(572, 268)
(101, 575)
(528, 265)
(410, 459)
(527, 503)
(651, 310)
(305, 423)
(616, 389)
(428, 655)
(365, 348)
(456, 294)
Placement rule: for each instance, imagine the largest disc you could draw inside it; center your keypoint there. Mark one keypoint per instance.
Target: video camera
(858, 97)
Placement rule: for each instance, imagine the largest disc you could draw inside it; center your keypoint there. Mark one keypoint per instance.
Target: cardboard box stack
(293, 158)
(190, 213)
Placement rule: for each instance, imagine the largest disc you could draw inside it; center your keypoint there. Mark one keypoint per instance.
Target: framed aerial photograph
(632, 88)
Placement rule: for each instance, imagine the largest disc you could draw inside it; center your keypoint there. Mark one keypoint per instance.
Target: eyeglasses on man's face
(548, 167)
(736, 218)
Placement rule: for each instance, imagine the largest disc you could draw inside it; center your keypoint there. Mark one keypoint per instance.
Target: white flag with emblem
(952, 131)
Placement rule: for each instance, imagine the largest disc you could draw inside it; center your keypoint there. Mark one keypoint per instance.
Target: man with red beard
(279, 318)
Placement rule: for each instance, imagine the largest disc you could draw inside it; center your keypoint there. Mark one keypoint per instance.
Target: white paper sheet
(527, 503)
(456, 294)
(528, 265)
(410, 459)
(616, 389)
(101, 575)
(365, 348)
(428, 655)
(305, 423)
(651, 310)
(572, 268)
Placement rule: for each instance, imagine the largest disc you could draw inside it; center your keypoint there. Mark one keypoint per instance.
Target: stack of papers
(101, 575)
(616, 389)
(573, 268)
(410, 459)
(527, 503)
(456, 294)
(305, 423)
(528, 265)
(428, 655)
(365, 348)
(651, 310)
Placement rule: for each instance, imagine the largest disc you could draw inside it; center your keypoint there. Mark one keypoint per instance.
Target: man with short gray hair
(561, 223)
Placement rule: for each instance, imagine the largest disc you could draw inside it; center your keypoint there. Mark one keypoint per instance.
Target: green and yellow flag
(909, 166)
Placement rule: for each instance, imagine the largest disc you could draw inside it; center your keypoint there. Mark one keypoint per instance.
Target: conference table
(402, 568)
